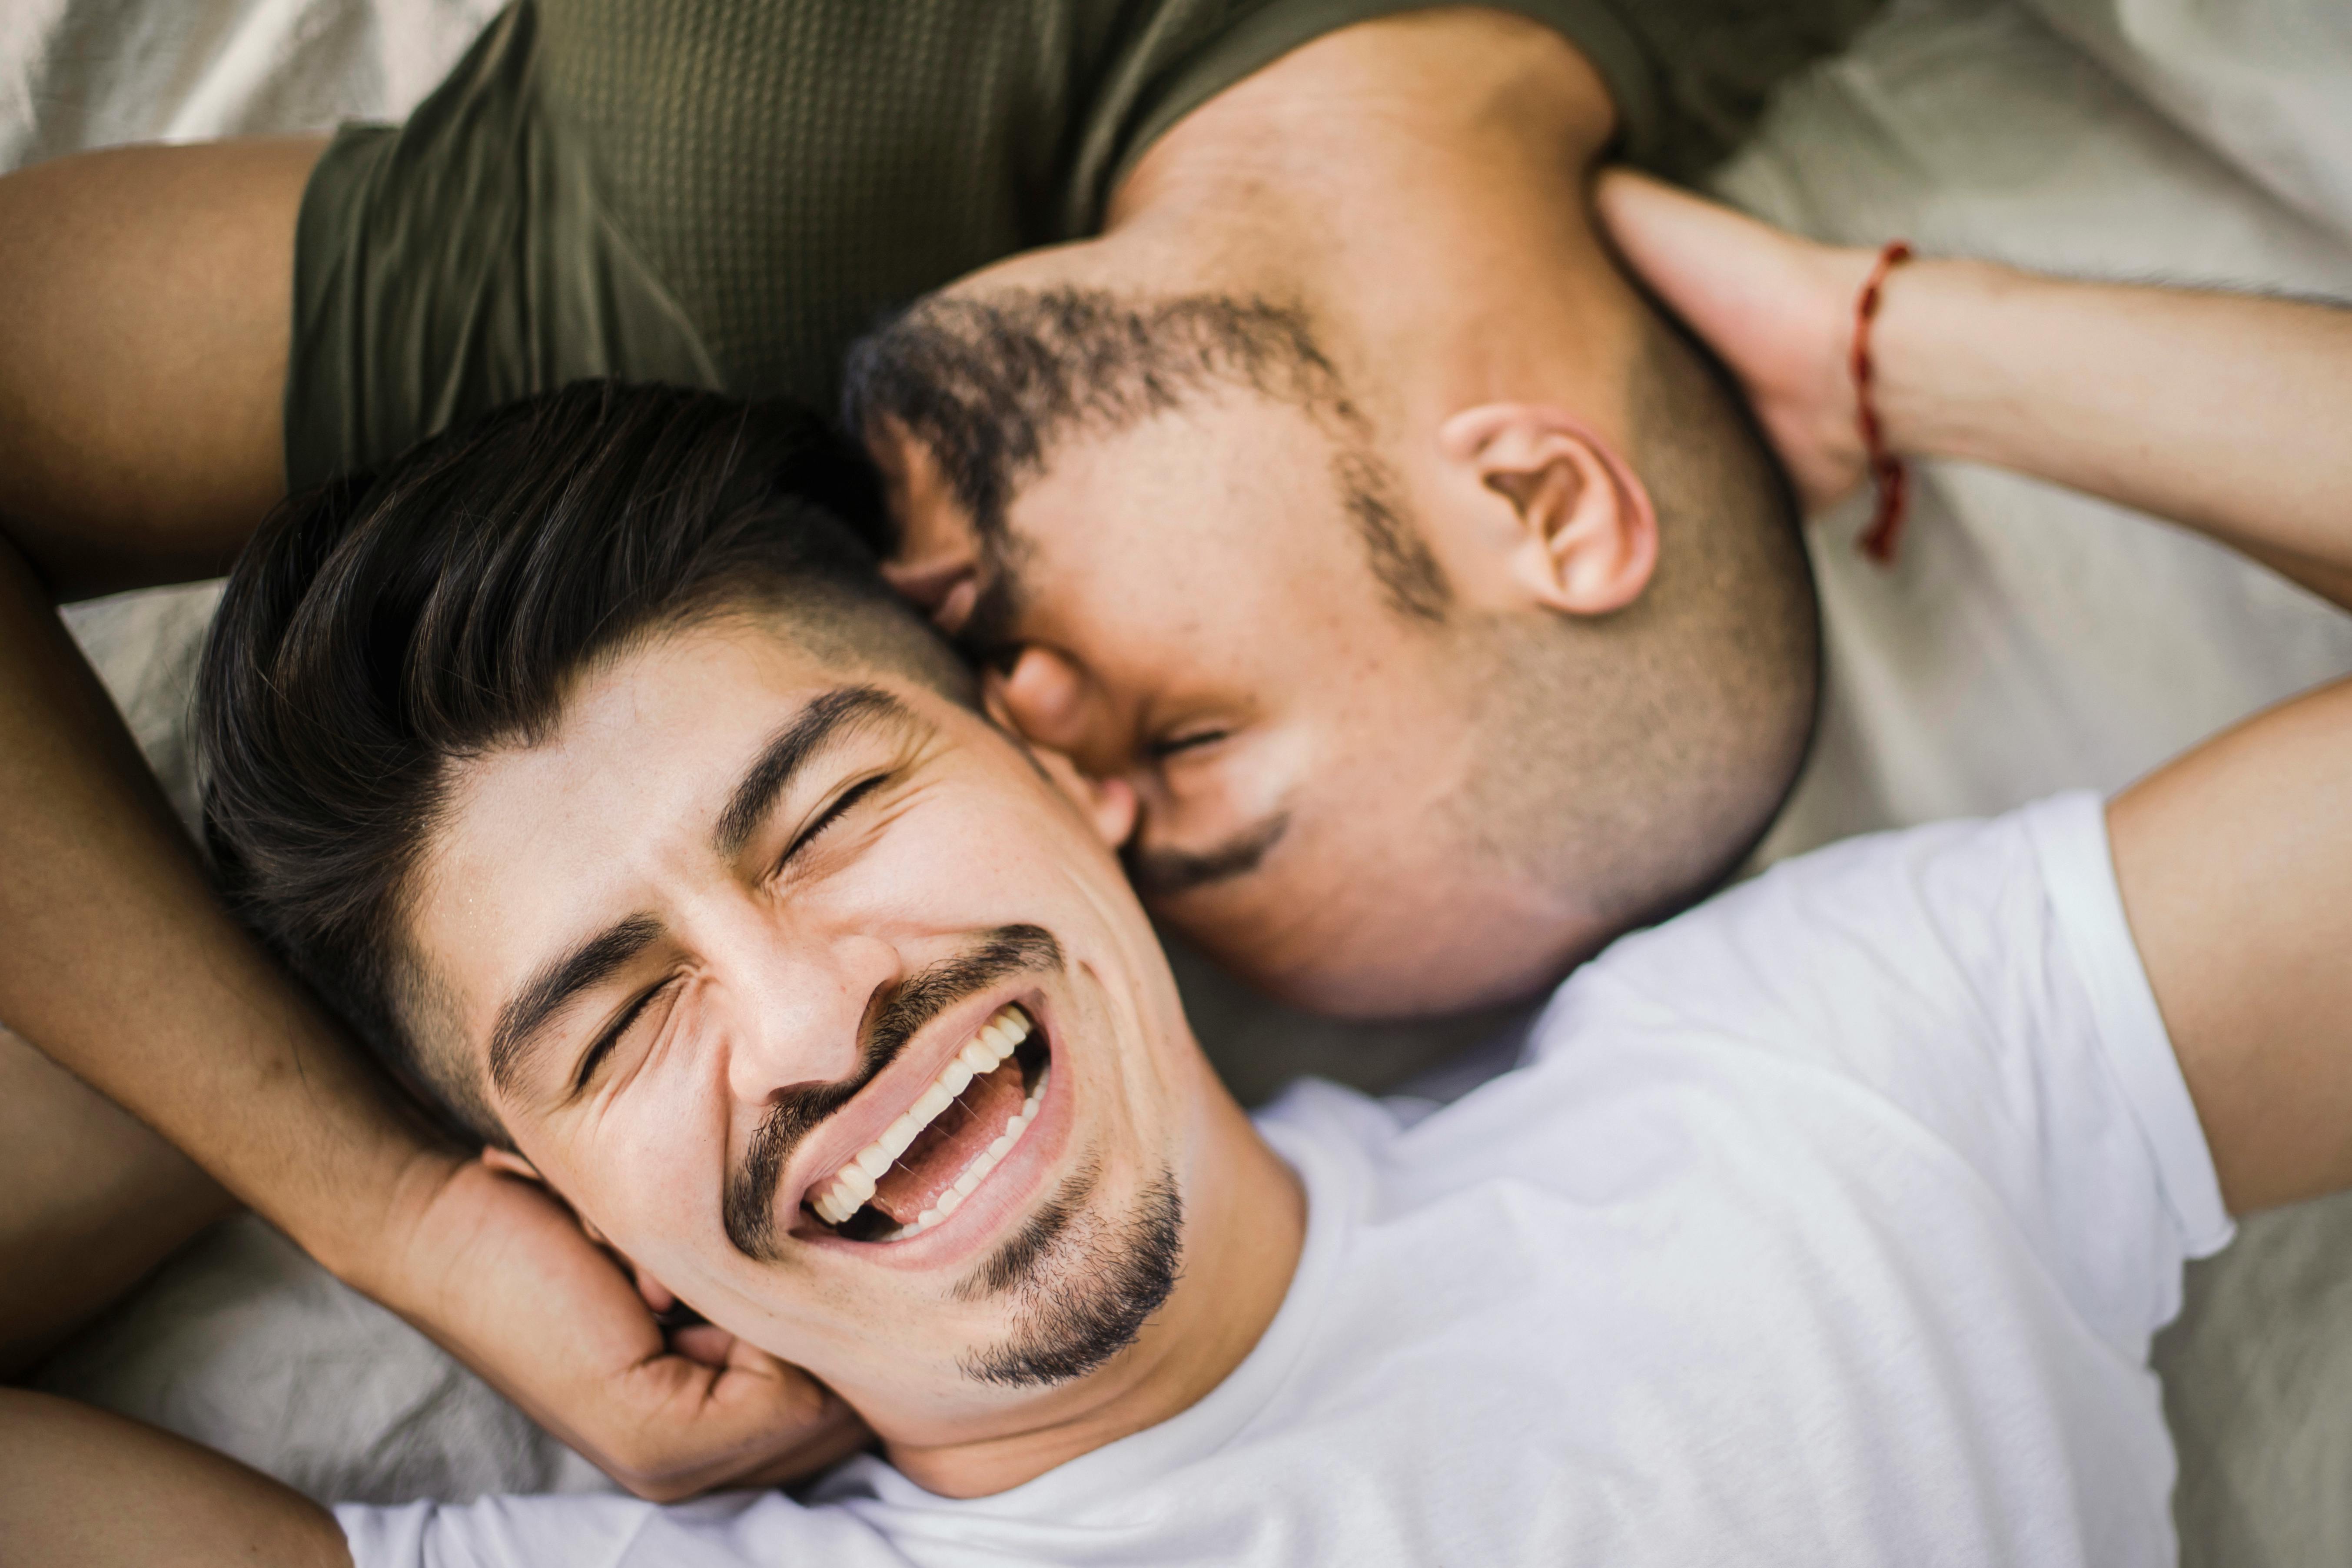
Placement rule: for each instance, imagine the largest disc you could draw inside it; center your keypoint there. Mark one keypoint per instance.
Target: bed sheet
(2027, 640)
(77, 74)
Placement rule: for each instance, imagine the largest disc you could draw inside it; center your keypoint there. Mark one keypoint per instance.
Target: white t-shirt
(1826, 1224)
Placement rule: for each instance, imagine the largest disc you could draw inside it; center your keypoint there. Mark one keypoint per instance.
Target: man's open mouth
(925, 1163)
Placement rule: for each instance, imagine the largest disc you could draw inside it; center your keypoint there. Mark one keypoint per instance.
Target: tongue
(955, 1139)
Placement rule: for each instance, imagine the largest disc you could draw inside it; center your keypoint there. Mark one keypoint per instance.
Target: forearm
(2222, 412)
(78, 1486)
(142, 357)
(120, 963)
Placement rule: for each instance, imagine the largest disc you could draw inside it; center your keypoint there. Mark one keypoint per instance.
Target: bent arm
(121, 965)
(2224, 413)
(141, 367)
(2235, 864)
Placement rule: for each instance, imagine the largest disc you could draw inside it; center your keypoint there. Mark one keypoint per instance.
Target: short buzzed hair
(1678, 725)
(384, 629)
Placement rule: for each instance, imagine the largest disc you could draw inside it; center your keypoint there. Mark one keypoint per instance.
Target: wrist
(371, 1241)
(1932, 352)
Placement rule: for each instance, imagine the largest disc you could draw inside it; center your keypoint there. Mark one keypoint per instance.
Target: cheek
(965, 860)
(1107, 580)
(650, 1172)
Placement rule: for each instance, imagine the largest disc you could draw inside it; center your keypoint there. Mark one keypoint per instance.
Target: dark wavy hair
(386, 625)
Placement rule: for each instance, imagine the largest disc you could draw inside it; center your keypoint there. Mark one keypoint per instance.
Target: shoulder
(1891, 928)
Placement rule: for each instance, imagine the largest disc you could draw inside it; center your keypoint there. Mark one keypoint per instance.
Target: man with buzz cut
(1285, 436)
(581, 760)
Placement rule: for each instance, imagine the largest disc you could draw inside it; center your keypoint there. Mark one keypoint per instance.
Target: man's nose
(800, 1003)
(1054, 703)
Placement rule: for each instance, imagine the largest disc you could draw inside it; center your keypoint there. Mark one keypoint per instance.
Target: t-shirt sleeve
(459, 262)
(742, 1530)
(1980, 980)
(1688, 78)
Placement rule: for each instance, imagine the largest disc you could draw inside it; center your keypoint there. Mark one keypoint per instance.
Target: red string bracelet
(1877, 541)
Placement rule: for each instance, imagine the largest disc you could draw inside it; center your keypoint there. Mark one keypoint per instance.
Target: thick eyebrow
(798, 743)
(1164, 873)
(523, 1022)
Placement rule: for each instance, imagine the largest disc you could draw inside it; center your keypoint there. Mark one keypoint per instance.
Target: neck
(1418, 183)
(1244, 1224)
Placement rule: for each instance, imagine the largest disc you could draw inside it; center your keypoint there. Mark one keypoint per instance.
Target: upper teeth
(850, 1187)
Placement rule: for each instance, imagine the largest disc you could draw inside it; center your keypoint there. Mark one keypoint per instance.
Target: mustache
(749, 1209)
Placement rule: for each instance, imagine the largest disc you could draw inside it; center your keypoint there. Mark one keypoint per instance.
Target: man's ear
(1577, 521)
(1038, 696)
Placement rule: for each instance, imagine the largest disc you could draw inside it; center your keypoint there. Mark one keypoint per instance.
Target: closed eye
(832, 814)
(1160, 750)
(615, 1032)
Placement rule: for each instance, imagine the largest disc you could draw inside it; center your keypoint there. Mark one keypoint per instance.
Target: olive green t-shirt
(727, 192)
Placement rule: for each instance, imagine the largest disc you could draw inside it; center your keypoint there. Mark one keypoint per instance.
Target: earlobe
(1584, 535)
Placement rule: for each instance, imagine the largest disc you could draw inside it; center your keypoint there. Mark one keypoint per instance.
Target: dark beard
(1084, 1286)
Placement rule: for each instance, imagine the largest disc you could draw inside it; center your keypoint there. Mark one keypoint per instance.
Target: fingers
(1650, 221)
(826, 1446)
(705, 1343)
(658, 1298)
(831, 1434)
(498, 1272)
(753, 1421)
(1714, 267)
(1776, 307)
